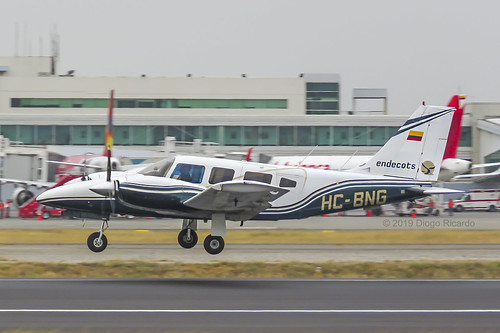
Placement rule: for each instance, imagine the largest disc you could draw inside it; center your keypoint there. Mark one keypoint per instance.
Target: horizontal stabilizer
(434, 190)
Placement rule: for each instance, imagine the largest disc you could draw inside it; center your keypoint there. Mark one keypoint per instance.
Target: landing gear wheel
(213, 244)
(95, 244)
(187, 238)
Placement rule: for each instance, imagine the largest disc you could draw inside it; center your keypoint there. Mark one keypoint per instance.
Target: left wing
(239, 200)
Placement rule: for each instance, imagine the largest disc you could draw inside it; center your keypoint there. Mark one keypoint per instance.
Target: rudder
(416, 150)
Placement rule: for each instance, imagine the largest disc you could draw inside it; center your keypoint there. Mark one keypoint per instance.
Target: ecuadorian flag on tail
(415, 135)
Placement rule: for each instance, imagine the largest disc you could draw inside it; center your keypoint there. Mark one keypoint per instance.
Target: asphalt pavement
(235, 305)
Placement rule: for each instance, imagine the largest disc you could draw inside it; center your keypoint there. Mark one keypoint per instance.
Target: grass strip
(141, 269)
(79, 236)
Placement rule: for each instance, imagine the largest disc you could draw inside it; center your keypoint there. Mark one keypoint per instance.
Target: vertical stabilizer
(416, 150)
(456, 127)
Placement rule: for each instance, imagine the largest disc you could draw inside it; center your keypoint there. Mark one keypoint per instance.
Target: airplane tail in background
(416, 150)
(456, 127)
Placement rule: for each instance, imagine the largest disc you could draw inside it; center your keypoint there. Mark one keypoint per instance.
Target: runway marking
(230, 311)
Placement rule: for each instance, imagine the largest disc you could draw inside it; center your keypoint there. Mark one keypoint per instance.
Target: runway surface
(459, 221)
(75, 253)
(232, 305)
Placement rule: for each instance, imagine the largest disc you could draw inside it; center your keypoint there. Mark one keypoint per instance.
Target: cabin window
(258, 176)
(189, 173)
(285, 182)
(218, 175)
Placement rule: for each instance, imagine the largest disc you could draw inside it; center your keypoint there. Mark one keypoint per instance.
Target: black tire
(459, 208)
(93, 243)
(213, 244)
(45, 215)
(184, 241)
(436, 212)
(492, 208)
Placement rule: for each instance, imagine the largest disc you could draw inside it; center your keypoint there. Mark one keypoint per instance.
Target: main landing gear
(213, 243)
(187, 238)
(97, 241)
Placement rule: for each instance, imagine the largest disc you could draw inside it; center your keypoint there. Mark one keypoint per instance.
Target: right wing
(239, 200)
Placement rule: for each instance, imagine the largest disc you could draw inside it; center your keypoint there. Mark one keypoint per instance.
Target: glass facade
(223, 135)
(322, 98)
(150, 103)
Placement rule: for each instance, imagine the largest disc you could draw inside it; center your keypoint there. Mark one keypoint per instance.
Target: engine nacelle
(21, 196)
(452, 167)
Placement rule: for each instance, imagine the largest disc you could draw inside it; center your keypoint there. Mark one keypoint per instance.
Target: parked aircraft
(72, 166)
(198, 188)
(450, 167)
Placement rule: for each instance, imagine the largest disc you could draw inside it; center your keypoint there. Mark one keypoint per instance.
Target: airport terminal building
(299, 114)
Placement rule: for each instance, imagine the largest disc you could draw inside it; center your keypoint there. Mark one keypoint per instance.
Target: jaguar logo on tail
(428, 168)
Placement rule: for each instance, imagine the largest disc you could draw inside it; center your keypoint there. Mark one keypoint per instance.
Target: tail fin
(416, 150)
(456, 127)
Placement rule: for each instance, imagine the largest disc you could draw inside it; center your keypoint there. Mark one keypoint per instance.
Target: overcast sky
(418, 50)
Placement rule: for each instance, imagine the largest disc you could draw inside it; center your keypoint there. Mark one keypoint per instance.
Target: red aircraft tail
(455, 129)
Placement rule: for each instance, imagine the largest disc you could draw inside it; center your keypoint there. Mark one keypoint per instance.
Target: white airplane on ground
(481, 177)
(450, 167)
(198, 188)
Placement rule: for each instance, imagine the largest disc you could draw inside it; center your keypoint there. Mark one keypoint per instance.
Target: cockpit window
(189, 173)
(158, 169)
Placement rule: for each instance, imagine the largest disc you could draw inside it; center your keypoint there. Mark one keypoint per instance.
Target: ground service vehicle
(487, 199)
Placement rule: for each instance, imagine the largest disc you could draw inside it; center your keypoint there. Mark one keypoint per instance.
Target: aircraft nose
(47, 196)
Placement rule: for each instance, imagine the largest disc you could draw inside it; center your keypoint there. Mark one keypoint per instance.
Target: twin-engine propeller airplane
(197, 188)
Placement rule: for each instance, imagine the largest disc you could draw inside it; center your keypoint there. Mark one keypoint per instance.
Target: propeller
(108, 188)
(109, 135)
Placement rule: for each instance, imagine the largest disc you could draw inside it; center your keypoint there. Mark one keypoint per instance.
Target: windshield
(158, 169)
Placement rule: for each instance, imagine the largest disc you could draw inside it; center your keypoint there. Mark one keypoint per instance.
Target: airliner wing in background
(26, 183)
(83, 165)
(481, 177)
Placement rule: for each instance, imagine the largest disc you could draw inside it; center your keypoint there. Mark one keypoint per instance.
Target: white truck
(487, 199)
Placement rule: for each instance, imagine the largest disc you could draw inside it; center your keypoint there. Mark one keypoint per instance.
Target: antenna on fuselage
(300, 162)
(343, 165)
(85, 166)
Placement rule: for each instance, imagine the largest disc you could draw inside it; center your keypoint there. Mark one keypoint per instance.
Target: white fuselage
(450, 167)
(162, 192)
